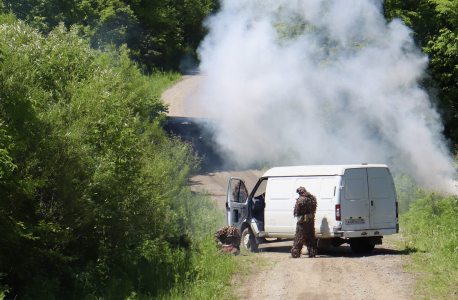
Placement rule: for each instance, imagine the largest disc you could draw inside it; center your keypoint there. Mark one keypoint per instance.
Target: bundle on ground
(228, 238)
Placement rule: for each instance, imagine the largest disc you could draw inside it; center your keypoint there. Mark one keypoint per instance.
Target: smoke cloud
(320, 82)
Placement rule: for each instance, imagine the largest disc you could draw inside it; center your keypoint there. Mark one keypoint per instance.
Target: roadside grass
(430, 229)
(201, 272)
(214, 271)
(160, 81)
(219, 275)
(211, 271)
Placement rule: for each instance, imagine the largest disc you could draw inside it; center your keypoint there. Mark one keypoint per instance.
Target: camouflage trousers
(305, 235)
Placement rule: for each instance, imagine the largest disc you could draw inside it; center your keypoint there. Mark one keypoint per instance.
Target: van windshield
(261, 188)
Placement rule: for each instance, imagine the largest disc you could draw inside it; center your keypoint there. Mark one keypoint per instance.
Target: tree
(89, 179)
(435, 25)
(157, 33)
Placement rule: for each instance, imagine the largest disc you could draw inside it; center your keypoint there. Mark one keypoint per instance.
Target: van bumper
(366, 233)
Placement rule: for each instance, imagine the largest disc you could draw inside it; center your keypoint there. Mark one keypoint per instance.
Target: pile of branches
(228, 238)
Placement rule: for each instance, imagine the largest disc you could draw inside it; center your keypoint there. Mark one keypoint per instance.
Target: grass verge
(219, 275)
(431, 240)
(160, 81)
(214, 271)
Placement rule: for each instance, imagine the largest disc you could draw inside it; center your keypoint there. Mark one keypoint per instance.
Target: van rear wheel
(361, 246)
(249, 240)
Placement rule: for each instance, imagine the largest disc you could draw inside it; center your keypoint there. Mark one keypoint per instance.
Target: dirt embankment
(335, 274)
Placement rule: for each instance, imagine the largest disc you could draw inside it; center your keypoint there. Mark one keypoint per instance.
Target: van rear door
(383, 198)
(354, 200)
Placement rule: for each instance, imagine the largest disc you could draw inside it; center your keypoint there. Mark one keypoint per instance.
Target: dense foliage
(158, 33)
(435, 25)
(428, 219)
(94, 199)
(431, 230)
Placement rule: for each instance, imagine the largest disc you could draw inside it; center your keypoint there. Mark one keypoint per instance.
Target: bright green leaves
(435, 25)
(157, 32)
(446, 10)
(443, 52)
(87, 174)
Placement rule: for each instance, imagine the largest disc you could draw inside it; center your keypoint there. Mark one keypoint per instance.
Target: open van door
(236, 202)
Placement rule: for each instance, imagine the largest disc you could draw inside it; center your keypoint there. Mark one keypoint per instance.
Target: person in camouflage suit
(304, 210)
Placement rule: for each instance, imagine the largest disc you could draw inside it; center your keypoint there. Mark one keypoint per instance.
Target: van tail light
(397, 215)
(338, 212)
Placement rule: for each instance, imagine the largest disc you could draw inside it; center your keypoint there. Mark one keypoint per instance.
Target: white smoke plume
(321, 82)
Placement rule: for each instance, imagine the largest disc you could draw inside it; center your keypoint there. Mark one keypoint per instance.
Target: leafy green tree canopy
(89, 181)
(435, 25)
(158, 33)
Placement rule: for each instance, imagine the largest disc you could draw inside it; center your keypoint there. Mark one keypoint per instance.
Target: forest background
(94, 202)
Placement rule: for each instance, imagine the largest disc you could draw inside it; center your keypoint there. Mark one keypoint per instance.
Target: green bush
(94, 201)
(434, 24)
(158, 33)
(211, 275)
(431, 228)
(428, 222)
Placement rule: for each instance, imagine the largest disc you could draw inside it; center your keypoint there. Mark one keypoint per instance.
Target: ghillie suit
(228, 239)
(304, 210)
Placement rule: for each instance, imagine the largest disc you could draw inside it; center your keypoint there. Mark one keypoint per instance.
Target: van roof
(315, 170)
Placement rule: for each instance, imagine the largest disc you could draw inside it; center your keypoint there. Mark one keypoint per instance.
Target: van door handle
(372, 202)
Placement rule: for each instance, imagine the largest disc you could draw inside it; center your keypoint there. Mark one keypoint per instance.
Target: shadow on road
(201, 133)
(342, 251)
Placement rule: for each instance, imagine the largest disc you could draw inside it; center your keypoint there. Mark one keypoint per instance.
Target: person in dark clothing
(305, 210)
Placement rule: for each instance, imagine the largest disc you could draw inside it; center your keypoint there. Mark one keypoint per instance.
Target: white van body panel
(281, 198)
(315, 170)
(279, 205)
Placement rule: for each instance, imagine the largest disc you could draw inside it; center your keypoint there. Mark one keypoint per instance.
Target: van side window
(354, 189)
(380, 187)
(239, 191)
(261, 188)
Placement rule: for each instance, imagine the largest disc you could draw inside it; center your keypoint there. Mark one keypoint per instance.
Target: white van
(356, 205)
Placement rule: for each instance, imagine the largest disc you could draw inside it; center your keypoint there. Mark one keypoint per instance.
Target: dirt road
(182, 97)
(335, 274)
